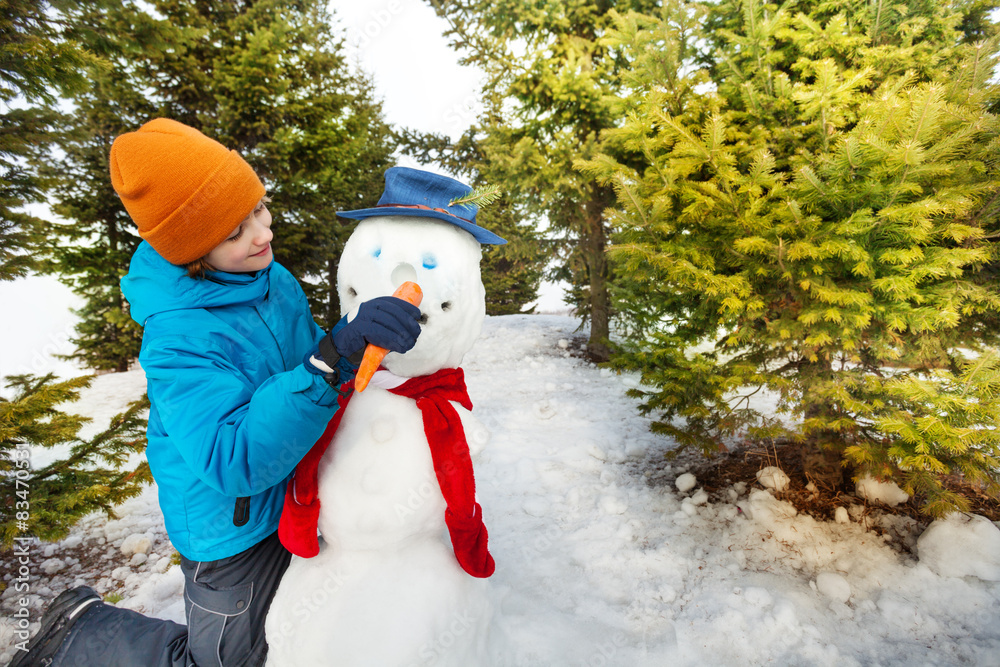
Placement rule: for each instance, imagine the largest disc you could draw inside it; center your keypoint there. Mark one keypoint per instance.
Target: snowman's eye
(351, 291)
(446, 306)
(378, 251)
(430, 262)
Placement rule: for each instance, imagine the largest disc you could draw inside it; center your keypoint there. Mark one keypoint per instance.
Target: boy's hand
(385, 321)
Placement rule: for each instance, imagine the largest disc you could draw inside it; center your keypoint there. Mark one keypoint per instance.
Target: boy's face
(248, 247)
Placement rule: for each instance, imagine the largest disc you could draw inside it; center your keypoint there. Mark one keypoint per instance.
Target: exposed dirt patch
(821, 499)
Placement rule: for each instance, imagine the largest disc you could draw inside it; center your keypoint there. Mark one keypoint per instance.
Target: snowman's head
(386, 251)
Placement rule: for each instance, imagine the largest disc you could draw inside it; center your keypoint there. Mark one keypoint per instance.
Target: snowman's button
(383, 430)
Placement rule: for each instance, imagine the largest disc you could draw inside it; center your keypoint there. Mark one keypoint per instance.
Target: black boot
(59, 618)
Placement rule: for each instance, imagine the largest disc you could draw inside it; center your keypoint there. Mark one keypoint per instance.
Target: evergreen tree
(826, 212)
(557, 81)
(37, 63)
(99, 239)
(96, 474)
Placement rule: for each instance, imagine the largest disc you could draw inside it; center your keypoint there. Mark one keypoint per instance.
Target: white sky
(401, 44)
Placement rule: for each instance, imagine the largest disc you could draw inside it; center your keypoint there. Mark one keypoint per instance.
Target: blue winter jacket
(233, 408)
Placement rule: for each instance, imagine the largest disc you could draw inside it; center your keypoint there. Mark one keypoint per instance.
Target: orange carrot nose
(409, 292)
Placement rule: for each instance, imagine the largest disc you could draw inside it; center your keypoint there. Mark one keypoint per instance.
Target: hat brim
(480, 234)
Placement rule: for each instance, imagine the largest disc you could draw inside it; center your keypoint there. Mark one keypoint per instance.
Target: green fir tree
(550, 92)
(820, 215)
(94, 474)
(93, 240)
(38, 62)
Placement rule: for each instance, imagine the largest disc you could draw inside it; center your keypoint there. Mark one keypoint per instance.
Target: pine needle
(479, 197)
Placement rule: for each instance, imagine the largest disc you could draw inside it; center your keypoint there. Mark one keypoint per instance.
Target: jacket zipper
(281, 353)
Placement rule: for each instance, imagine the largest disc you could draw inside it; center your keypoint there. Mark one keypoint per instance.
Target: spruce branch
(478, 197)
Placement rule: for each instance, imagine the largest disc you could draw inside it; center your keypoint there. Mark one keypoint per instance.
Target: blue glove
(385, 321)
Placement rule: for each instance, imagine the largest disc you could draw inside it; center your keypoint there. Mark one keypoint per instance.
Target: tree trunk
(822, 458)
(595, 245)
(124, 359)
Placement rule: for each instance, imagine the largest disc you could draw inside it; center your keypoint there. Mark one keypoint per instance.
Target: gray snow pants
(226, 602)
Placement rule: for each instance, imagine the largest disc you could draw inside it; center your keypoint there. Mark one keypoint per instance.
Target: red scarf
(452, 466)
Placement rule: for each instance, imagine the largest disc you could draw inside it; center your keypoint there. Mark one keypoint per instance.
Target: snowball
(833, 586)
(72, 542)
(136, 543)
(700, 497)
(841, 515)
(613, 505)
(52, 565)
(758, 597)
(686, 482)
(138, 559)
(887, 493)
(961, 545)
(772, 477)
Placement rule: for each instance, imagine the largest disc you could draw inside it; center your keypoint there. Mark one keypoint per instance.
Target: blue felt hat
(424, 194)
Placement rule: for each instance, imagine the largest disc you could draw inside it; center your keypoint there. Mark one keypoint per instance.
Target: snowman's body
(386, 588)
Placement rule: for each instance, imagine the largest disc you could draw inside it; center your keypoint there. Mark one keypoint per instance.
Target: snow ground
(601, 560)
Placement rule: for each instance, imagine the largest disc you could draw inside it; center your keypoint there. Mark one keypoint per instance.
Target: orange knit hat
(184, 191)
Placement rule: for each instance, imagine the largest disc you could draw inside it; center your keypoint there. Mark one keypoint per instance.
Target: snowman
(399, 576)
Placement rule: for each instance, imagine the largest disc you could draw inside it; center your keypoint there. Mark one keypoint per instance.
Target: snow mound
(833, 586)
(961, 545)
(772, 477)
(887, 493)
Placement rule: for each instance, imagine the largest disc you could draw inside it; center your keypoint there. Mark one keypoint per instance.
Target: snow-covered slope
(600, 559)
